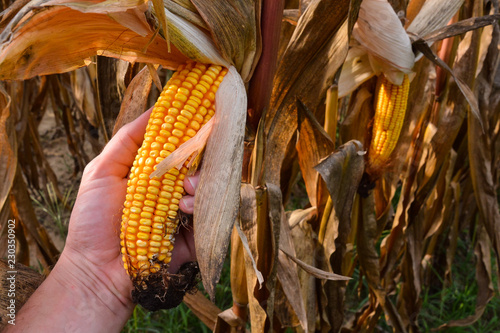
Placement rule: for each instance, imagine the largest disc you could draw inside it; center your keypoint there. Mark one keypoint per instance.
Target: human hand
(95, 221)
(89, 289)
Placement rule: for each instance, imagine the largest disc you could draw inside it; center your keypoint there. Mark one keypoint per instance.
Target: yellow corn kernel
(390, 109)
(149, 219)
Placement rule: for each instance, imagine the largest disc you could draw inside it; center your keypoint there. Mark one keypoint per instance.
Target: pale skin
(88, 290)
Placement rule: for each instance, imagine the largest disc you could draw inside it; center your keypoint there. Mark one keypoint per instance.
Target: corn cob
(390, 110)
(149, 220)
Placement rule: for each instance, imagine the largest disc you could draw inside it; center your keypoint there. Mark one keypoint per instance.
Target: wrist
(96, 292)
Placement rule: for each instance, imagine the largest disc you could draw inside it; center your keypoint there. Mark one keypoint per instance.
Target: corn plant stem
(331, 112)
(259, 93)
(324, 220)
(445, 54)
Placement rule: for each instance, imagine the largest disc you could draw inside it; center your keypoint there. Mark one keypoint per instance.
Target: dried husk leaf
(380, 31)
(356, 70)
(190, 148)
(236, 33)
(187, 11)
(40, 45)
(135, 99)
(192, 41)
(217, 197)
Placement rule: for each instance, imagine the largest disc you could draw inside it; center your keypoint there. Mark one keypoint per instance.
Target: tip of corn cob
(164, 290)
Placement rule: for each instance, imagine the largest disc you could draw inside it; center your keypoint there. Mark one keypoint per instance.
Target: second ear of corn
(149, 220)
(390, 109)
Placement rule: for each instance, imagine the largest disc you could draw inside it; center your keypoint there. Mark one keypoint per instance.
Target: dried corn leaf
(275, 213)
(49, 252)
(313, 145)
(236, 32)
(217, 197)
(304, 241)
(461, 27)
(288, 275)
(202, 308)
(342, 172)
(228, 321)
(433, 15)
(481, 152)
(250, 201)
(45, 43)
(358, 116)
(83, 93)
(306, 70)
(8, 146)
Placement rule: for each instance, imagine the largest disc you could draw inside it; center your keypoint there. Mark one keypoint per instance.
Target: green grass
(56, 208)
(458, 299)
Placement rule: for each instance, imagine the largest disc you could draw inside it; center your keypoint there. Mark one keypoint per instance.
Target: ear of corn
(149, 220)
(390, 110)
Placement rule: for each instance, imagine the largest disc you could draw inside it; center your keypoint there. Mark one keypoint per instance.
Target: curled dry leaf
(433, 15)
(355, 70)
(217, 197)
(39, 45)
(316, 272)
(135, 99)
(313, 145)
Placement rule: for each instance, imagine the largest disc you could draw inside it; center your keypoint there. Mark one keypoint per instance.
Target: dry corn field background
(352, 170)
